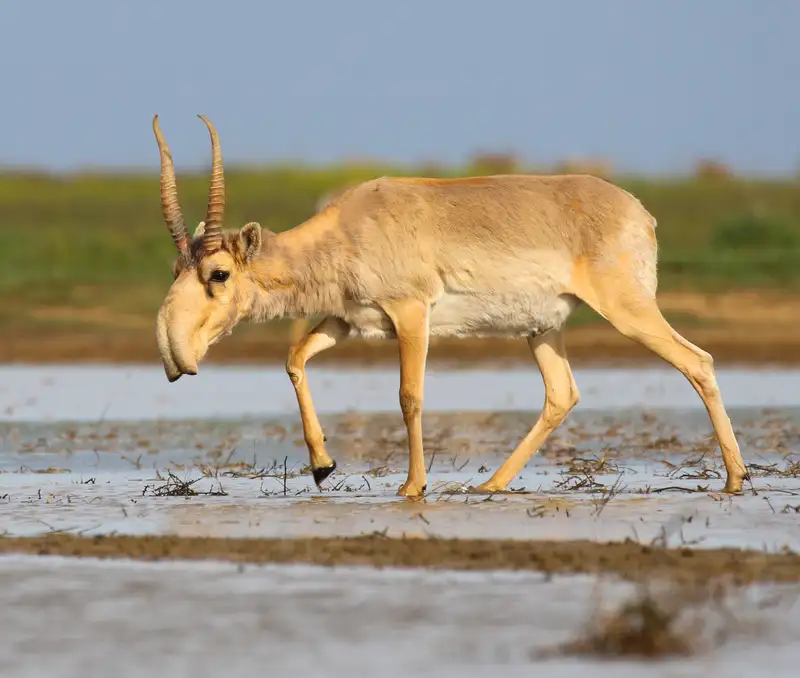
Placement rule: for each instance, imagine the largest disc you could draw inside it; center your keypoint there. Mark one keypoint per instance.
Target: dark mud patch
(628, 559)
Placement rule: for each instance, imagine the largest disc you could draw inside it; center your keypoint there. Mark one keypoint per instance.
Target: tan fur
(410, 258)
(493, 255)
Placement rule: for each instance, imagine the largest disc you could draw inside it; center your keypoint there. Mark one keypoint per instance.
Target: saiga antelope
(411, 258)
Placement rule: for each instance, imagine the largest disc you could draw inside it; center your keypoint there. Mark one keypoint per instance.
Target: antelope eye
(219, 276)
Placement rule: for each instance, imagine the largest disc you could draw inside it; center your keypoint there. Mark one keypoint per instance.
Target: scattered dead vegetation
(253, 471)
(175, 487)
(607, 495)
(579, 475)
(591, 466)
(699, 470)
(380, 471)
(791, 469)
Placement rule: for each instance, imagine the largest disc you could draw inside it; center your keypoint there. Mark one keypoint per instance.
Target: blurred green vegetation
(97, 241)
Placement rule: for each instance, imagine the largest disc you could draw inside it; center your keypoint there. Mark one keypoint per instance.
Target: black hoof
(321, 473)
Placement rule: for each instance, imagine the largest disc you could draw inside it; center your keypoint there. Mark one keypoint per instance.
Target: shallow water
(87, 450)
(53, 393)
(650, 475)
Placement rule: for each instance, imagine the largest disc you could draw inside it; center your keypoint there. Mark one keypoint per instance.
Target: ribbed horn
(212, 239)
(169, 196)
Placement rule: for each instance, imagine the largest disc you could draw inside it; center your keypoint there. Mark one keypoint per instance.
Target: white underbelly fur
(476, 315)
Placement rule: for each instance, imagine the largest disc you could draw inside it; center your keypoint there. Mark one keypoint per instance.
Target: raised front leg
(322, 337)
(410, 319)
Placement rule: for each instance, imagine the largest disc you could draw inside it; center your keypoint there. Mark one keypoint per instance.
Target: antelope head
(212, 288)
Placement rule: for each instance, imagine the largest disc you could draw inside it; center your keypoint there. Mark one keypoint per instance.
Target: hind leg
(639, 318)
(560, 396)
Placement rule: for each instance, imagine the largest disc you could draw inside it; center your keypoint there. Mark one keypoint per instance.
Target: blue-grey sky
(651, 85)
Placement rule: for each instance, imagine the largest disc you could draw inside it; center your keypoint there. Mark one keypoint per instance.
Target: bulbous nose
(175, 348)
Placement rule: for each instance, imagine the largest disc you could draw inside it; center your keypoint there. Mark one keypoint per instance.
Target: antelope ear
(200, 230)
(250, 237)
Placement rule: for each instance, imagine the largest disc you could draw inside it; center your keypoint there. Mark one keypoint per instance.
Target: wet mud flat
(653, 477)
(628, 559)
(196, 543)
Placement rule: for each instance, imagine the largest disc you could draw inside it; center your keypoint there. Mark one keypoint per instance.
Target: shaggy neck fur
(301, 272)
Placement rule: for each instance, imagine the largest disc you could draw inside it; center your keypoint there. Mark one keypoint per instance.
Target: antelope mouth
(189, 371)
(179, 362)
(185, 363)
(175, 372)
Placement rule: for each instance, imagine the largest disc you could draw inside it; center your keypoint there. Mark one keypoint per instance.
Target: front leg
(410, 319)
(324, 336)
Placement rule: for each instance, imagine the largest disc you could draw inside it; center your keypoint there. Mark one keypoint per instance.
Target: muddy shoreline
(595, 346)
(628, 559)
